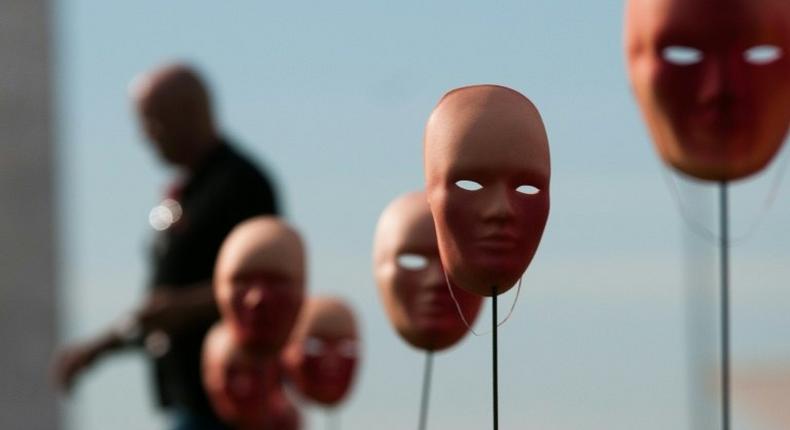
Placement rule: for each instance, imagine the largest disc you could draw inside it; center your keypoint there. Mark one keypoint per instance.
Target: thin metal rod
(426, 390)
(332, 419)
(494, 358)
(725, 305)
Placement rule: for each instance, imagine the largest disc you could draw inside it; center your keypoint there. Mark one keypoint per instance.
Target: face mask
(411, 279)
(487, 179)
(259, 282)
(712, 78)
(321, 358)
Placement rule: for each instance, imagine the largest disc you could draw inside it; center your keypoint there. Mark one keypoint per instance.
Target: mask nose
(717, 82)
(254, 297)
(434, 276)
(498, 205)
(331, 361)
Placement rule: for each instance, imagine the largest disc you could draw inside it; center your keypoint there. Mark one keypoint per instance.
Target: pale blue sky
(333, 98)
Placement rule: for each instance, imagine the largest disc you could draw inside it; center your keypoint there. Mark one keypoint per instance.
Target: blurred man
(216, 189)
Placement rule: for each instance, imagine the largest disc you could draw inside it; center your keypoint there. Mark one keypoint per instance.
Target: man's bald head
(174, 106)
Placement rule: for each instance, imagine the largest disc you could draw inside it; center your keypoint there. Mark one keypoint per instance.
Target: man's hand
(73, 360)
(166, 310)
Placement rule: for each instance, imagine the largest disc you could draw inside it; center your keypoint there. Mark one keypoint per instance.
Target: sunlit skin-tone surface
(487, 172)
(322, 356)
(260, 280)
(245, 389)
(764, 393)
(712, 78)
(411, 280)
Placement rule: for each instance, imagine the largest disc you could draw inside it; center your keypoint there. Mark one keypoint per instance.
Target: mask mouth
(330, 375)
(434, 313)
(431, 302)
(334, 373)
(242, 390)
(258, 318)
(720, 114)
(501, 240)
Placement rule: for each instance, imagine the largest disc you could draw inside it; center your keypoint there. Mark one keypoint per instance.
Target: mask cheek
(290, 304)
(674, 90)
(237, 306)
(533, 217)
(405, 290)
(459, 218)
(311, 367)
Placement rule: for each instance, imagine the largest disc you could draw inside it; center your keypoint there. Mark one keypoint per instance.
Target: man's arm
(173, 310)
(72, 360)
(167, 310)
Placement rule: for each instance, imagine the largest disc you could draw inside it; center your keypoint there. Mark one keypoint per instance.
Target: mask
(411, 280)
(259, 282)
(487, 176)
(244, 388)
(321, 358)
(712, 78)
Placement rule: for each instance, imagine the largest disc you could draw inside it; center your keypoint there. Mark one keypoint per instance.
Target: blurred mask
(259, 282)
(411, 280)
(712, 78)
(321, 358)
(244, 388)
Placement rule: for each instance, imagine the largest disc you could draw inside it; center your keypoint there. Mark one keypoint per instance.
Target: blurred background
(616, 327)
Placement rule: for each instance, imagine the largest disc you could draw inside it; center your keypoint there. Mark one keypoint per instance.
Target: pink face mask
(411, 280)
(259, 282)
(487, 175)
(322, 357)
(713, 80)
(244, 388)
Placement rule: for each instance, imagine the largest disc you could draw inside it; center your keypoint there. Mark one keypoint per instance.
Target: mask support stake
(725, 305)
(332, 419)
(426, 390)
(494, 358)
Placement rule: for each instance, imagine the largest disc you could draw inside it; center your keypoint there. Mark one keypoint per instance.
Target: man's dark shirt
(223, 191)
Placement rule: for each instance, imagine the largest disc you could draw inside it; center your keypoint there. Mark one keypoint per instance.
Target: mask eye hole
(528, 190)
(468, 185)
(348, 349)
(682, 55)
(313, 347)
(762, 54)
(412, 261)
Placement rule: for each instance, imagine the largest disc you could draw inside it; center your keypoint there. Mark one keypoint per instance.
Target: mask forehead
(487, 131)
(405, 226)
(262, 245)
(706, 24)
(325, 317)
(279, 255)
